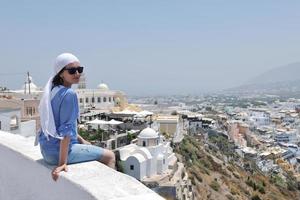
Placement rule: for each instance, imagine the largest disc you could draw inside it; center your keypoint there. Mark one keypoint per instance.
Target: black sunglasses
(74, 69)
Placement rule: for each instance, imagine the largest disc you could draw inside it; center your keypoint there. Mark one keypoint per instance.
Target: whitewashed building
(291, 136)
(29, 90)
(260, 117)
(151, 156)
(101, 98)
(10, 120)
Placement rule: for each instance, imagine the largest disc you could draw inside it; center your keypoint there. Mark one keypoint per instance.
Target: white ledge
(25, 175)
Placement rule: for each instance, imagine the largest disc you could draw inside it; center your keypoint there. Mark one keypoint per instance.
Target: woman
(60, 144)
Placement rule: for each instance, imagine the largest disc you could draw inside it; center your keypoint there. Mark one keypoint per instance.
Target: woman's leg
(51, 159)
(83, 153)
(108, 158)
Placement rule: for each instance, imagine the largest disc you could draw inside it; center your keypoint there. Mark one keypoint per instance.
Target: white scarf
(45, 109)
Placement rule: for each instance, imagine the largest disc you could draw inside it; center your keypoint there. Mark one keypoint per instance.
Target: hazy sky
(149, 47)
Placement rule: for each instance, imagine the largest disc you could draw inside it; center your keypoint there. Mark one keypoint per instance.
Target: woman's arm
(63, 152)
(63, 158)
(81, 140)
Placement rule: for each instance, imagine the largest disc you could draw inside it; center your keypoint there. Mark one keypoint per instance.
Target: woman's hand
(85, 142)
(82, 141)
(57, 170)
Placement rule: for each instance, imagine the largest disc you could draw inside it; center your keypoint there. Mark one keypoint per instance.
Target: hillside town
(147, 134)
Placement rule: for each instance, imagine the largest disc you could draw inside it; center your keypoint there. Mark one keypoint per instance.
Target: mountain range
(283, 80)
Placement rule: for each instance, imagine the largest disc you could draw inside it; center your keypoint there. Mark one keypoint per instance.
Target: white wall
(5, 118)
(136, 172)
(20, 178)
(149, 170)
(28, 128)
(25, 176)
(4, 122)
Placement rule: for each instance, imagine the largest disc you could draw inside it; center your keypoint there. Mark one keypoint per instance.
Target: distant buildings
(10, 121)
(26, 99)
(91, 101)
(167, 124)
(237, 132)
(287, 136)
(29, 87)
(94, 102)
(101, 98)
(259, 117)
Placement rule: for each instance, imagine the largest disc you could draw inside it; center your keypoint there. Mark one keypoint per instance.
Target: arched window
(104, 99)
(144, 143)
(99, 99)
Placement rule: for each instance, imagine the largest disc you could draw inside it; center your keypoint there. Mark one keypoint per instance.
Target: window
(14, 123)
(80, 100)
(99, 99)
(109, 99)
(86, 100)
(104, 99)
(0, 125)
(164, 161)
(29, 111)
(131, 167)
(93, 99)
(144, 143)
(33, 110)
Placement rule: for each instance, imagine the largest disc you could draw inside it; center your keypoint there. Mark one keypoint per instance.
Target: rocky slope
(218, 173)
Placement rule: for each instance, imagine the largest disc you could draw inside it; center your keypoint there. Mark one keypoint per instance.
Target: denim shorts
(77, 154)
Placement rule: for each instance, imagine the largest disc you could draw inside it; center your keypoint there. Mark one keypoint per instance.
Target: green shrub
(255, 197)
(262, 190)
(215, 185)
(278, 181)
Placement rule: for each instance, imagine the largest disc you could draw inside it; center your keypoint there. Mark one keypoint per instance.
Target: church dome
(32, 86)
(103, 86)
(148, 133)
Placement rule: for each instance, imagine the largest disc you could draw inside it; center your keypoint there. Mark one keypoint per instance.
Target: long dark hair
(57, 80)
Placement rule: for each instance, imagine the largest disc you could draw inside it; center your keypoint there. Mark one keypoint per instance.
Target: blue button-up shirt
(65, 112)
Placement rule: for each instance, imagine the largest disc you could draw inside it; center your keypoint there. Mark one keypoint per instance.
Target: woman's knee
(112, 156)
(108, 157)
